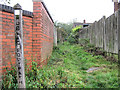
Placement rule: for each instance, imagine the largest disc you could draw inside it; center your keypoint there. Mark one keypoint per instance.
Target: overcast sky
(69, 10)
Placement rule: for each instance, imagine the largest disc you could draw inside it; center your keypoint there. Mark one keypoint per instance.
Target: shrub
(83, 42)
(77, 28)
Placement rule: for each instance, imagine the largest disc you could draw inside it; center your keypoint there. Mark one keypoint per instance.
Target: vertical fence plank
(55, 36)
(119, 46)
(103, 33)
(96, 33)
(116, 33)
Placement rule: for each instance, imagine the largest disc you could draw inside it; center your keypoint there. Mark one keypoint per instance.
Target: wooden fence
(103, 33)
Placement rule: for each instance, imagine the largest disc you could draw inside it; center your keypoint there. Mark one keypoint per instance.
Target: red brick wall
(37, 36)
(0, 47)
(42, 33)
(8, 39)
(37, 19)
(47, 35)
(27, 38)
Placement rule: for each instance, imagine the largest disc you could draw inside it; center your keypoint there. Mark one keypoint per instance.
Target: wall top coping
(37, 0)
(25, 12)
(11, 10)
(47, 11)
(42, 1)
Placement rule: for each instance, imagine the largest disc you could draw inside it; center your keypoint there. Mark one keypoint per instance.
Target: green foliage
(67, 27)
(67, 69)
(84, 42)
(73, 38)
(74, 35)
(68, 33)
(10, 78)
(64, 28)
(75, 62)
(77, 28)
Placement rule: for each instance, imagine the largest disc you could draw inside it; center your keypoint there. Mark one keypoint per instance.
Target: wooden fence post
(19, 46)
(103, 21)
(119, 35)
(119, 47)
(55, 36)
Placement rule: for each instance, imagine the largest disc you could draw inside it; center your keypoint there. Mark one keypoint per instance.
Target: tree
(64, 28)
(5, 1)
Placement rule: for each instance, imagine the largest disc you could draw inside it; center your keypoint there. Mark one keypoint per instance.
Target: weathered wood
(119, 37)
(103, 33)
(119, 46)
(19, 46)
(116, 33)
(55, 36)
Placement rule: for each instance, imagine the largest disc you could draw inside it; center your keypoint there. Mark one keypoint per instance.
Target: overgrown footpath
(69, 67)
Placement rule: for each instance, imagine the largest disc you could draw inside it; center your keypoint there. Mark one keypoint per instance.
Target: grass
(67, 69)
(71, 62)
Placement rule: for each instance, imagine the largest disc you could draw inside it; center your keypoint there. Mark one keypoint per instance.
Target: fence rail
(103, 33)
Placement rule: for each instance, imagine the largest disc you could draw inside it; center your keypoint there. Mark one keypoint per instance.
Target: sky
(73, 10)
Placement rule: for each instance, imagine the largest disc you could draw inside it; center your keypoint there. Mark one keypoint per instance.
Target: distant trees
(64, 30)
(5, 1)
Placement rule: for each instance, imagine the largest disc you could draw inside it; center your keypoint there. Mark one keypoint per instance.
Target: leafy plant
(77, 28)
(10, 78)
(67, 68)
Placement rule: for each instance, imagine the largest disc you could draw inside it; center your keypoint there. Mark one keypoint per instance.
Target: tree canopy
(65, 28)
(5, 1)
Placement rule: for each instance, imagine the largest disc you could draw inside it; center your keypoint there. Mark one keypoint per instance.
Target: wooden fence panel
(103, 33)
(115, 28)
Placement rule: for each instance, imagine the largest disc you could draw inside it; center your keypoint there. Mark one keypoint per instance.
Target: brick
(37, 34)
(36, 4)
(36, 50)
